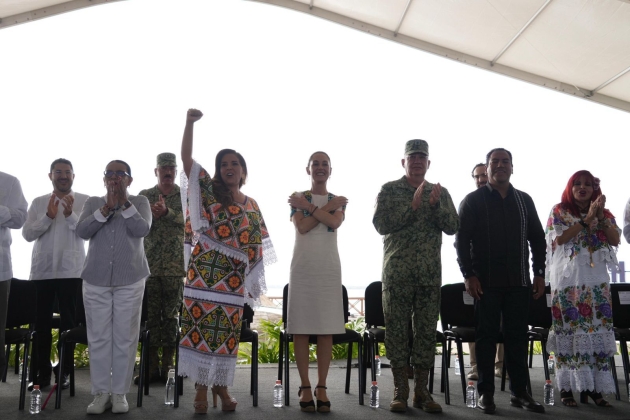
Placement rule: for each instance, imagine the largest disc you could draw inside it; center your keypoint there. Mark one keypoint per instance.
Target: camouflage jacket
(164, 246)
(413, 239)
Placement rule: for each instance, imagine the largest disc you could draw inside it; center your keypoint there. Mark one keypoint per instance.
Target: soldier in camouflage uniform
(412, 213)
(164, 247)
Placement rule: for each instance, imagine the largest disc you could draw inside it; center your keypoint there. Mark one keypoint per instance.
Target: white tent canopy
(579, 47)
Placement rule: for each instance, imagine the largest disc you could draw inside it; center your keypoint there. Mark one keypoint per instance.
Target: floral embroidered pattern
(581, 335)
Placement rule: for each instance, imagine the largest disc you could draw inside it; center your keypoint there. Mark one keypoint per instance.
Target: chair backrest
(453, 311)
(620, 312)
(539, 312)
(285, 304)
(374, 316)
(22, 308)
(248, 315)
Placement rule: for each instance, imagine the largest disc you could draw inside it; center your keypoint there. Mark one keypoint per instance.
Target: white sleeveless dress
(315, 296)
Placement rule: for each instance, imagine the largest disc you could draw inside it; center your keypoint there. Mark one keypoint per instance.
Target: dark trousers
(513, 303)
(5, 286)
(66, 291)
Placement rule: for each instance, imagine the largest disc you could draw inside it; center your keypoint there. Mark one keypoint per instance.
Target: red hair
(567, 201)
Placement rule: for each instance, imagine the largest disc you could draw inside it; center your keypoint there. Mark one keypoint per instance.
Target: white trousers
(112, 315)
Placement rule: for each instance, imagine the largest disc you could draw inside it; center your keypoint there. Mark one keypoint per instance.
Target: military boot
(401, 390)
(421, 396)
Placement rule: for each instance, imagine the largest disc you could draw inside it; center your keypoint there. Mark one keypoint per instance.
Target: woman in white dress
(582, 240)
(315, 296)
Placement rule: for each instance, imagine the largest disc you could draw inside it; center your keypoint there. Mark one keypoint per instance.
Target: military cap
(416, 146)
(166, 159)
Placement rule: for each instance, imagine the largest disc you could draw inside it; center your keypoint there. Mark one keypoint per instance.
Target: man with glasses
(411, 214)
(164, 247)
(56, 264)
(13, 207)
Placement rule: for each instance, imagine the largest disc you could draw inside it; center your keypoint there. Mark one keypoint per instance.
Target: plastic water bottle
(36, 400)
(377, 365)
(471, 395)
(277, 394)
(551, 365)
(169, 391)
(374, 395)
(548, 396)
(457, 372)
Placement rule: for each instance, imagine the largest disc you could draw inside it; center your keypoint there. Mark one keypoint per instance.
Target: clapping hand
(67, 203)
(51, 211)
(159, 209)
(434, 197)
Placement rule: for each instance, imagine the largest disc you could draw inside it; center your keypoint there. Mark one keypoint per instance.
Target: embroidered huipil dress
(225, 251)
(581, 335)
(315, 295)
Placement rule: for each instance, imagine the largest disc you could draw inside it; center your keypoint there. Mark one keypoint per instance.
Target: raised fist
(193, 115)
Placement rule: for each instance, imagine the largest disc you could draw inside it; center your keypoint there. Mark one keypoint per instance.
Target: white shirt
(58, 252)
(13, 207)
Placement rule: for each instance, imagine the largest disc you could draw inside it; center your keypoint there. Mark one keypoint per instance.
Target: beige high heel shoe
(227, 403)
(201, 406)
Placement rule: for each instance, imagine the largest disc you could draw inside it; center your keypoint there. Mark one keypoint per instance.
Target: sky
(115, 82)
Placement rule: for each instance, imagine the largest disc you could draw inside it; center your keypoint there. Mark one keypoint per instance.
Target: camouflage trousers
(402, 304)
(164, 299)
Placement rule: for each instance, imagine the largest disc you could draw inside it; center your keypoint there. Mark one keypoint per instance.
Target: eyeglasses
(111, 174)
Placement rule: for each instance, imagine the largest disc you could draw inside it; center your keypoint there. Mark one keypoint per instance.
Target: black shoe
(65, 381)
(486, 404)
(65, 378)
(525, 401)
(43, 382)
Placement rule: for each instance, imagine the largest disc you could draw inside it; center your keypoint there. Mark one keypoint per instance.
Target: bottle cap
(470, 383)
(548, 381)
(171, 373)
(35, 387)
(373, 382)
(278, 382)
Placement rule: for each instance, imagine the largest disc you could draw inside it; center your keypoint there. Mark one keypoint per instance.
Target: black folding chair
(349, 337)
(457, 313)
(375, 333)
(21, 312)
(621, 322)
(539, 321)
(78, 335)
(251, 336)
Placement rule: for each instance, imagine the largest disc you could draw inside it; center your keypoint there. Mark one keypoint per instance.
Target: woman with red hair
(582, 237)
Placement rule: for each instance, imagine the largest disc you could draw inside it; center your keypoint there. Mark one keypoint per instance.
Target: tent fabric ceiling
(579, 47)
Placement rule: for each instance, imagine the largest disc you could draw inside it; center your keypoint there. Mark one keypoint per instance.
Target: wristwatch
(126, 205)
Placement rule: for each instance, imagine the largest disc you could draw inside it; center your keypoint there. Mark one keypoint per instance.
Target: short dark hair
(472, 173)
(498, 149)
(124, 163)
(60, 160)
(310, 159)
